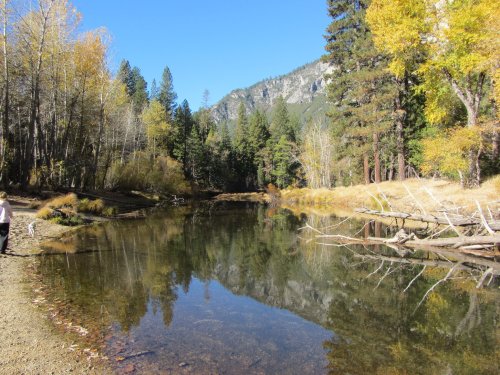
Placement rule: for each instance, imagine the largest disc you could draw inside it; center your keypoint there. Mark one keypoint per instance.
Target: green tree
(281, 125)
(183, 123)
(140, 94)
(126, 77)
(362, 90)
(167, 95)
(258, 137)
(154, 93)
(284, 163)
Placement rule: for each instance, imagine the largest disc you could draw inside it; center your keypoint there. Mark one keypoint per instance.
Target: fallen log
(453, 242)
(459, 222)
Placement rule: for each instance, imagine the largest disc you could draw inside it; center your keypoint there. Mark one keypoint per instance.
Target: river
(240, 289)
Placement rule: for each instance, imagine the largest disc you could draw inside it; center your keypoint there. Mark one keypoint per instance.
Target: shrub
(68, 200)
(45, 213)
(68, 221)
(109, 211)
(161, 174)
(91, 206)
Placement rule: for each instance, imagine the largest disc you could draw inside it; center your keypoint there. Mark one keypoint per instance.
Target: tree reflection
(120, 270)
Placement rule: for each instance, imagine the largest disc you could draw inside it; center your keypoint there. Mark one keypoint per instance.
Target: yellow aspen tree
(452, 45)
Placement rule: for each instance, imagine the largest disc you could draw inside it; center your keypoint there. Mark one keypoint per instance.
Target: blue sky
(218, 45)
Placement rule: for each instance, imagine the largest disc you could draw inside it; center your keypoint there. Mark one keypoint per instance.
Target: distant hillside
(303, 90)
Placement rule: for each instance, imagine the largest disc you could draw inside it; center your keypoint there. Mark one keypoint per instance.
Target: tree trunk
(471, 99)
(376, 157)
(34, 119)
(366, 168)
(400, 115)
(5, 141)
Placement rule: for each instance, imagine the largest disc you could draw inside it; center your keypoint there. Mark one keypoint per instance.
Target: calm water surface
(238, 289)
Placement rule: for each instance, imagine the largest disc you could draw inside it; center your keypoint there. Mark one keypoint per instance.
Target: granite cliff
(304, 89)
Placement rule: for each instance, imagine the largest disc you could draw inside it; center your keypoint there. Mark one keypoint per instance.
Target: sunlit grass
(413, 195)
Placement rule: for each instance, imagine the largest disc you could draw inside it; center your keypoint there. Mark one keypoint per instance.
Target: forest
(414, 92)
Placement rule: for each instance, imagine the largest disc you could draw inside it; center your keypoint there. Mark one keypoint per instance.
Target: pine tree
(258, 136)
(242, 149)
(140, 94)
(167, 95)
(126, 77)
(361, 89)
(183, 123)
(281, 125)
(283, 163)
(154, 92)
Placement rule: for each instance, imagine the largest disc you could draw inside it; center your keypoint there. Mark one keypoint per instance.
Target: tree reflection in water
(121, 269)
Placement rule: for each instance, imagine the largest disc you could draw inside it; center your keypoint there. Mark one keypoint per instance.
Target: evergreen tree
(183, 123)
(284, 166)
(196, 157)
(140, 94)
(363, 92)
(167, 95)
(258, 136)
(281, 124)
(126, 77)
(154, 92)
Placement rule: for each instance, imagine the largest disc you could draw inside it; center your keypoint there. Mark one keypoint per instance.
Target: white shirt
(5, 212)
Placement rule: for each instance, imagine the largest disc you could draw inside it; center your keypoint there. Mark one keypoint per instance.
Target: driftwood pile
(474, 246)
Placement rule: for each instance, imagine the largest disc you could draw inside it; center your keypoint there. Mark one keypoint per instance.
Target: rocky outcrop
(301, 87)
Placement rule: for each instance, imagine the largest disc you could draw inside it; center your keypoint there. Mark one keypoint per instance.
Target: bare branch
(483, 277)
(374, 272)
(415, 199)
(483, 219)
(450, 272)
(415, 278)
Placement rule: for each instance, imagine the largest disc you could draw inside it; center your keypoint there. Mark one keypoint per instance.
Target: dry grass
(68, 200)
(423, 195)
(91, 206)
(243, 197)
(44, 213)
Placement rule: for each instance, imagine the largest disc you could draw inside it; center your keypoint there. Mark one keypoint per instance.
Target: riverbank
(413, 195)
(30, 343)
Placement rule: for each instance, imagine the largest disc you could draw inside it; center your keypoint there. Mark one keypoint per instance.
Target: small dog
(31, 228)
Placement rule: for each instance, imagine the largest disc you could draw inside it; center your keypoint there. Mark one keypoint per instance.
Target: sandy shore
(29, 343)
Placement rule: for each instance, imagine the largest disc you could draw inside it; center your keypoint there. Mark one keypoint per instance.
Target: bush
(109, 211)
(162, 175)
(68, 221)
(91, 206)
(45, 213)
(68, 200)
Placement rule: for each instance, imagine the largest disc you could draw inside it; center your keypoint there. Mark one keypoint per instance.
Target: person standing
(5, 216)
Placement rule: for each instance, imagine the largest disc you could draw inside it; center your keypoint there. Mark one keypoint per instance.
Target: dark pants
(4, 236)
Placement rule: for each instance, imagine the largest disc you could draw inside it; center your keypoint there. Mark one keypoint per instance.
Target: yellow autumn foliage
(448, 153)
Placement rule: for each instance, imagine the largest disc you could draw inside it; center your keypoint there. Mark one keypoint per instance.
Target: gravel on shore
(29, 343)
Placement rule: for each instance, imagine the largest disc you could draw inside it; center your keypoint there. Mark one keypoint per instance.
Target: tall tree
(459, 43)
(154, 93)
(281, 124)
(125, 76)
(362, 91)
(140, 94)
(183, 123)
(5, 141)
(167, 95)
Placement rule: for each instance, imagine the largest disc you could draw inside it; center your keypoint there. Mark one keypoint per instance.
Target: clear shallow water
(237, 289)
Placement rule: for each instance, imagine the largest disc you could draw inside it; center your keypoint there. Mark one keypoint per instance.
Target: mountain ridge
(304, 90)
